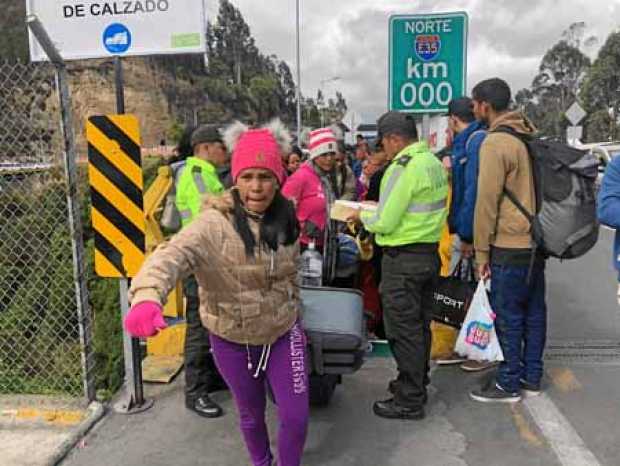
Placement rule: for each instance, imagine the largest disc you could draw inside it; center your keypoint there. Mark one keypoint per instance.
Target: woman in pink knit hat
(242, 250)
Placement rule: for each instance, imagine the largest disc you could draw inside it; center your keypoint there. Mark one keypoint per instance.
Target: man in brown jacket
(503, 245)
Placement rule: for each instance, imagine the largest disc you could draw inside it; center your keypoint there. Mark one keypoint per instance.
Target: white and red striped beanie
(322, 141)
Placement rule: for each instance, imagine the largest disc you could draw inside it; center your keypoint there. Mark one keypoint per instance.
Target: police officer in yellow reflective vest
(199, 178)
(408, 223)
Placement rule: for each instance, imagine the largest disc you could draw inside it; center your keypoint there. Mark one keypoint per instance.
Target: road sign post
(574, 114)
(428, 61)
(115, 174)
(574, 134)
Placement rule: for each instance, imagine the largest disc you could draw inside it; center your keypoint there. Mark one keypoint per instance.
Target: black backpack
(565, 224)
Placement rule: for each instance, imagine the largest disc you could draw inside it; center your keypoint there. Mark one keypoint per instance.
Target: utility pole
(298, 90)
(614, 116)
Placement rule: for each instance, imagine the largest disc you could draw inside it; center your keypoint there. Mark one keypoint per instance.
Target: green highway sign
(428, 61)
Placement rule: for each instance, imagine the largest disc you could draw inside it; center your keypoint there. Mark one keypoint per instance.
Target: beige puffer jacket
(245, 301)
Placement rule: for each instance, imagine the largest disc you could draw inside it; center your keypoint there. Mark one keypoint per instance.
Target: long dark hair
(278, 226)
(184, 147)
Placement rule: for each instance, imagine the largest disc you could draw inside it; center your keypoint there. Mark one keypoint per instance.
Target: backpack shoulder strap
(471, 137)
(509, 194)
(510, 130)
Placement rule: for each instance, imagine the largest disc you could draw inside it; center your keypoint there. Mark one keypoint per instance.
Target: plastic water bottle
(311, 267)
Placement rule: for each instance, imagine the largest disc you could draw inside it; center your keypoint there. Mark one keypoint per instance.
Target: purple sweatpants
(286, 372)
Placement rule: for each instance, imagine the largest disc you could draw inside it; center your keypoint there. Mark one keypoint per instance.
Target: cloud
(349, 38)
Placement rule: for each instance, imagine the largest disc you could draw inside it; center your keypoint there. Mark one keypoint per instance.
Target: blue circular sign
(117, 38)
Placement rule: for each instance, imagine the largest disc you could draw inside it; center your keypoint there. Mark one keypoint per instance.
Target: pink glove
(145, 319)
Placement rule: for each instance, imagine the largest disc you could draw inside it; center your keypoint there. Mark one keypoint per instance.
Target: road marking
(526, 433)
(565, 441)
(51, 416)
(564, 379)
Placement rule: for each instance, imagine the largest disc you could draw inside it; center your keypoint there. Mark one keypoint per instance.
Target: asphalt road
(571, 425)
(456, 431)
(581, 297)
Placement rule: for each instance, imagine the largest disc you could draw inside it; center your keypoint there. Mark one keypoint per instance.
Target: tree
(341, 105)
(310, 113)
(598, 126)
(288, 89)
(320, 98)
(14, 37)
(561, 73)
(232, 48)
(601, 90)
(575, 36)
(263, 90)
(248, 84)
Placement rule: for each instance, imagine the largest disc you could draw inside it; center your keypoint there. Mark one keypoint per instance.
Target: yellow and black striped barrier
(116, 184)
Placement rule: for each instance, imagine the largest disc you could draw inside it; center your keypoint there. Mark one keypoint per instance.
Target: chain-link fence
(42, 334)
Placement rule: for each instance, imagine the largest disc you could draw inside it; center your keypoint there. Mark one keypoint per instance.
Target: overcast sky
(349, 38)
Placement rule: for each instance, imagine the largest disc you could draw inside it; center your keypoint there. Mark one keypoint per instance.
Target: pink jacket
(305, 189)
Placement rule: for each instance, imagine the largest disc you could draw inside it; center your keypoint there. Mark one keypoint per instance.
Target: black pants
(406, 292)
(201, 375)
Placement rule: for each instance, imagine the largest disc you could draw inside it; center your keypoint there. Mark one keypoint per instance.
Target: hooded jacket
(243, 300)
(504, 164)
(465, 162)
(609, 204)
(305, 189)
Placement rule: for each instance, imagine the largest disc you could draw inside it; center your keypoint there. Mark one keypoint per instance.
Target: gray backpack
(565, 224)
(171, 218)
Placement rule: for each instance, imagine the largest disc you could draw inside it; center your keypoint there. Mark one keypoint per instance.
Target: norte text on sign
(428, 61)
(116, 187)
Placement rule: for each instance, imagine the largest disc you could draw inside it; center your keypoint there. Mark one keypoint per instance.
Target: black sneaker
(205, 407)
(530, 389)
(493, 393)
(389, 409)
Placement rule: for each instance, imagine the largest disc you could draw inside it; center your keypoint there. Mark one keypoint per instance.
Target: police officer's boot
(389, 409)
(204, 406)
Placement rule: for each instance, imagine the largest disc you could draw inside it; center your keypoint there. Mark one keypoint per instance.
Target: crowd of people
(245, 219)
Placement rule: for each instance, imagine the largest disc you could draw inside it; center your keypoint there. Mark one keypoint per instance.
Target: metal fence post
(73, 205)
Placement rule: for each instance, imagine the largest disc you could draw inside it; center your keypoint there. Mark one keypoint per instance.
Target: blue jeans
(521, 323)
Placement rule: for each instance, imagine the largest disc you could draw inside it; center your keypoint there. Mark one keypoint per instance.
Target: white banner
(83, 29)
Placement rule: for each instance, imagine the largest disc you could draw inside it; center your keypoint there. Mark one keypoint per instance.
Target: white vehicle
(368, 130)
(604, 151)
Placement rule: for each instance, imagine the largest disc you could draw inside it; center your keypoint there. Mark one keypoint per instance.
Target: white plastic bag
(477, 339)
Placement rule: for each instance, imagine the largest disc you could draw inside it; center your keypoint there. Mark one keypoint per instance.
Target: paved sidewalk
(40, 431)
(457, 431)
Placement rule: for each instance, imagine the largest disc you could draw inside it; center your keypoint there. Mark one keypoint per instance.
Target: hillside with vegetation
(167, 92)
